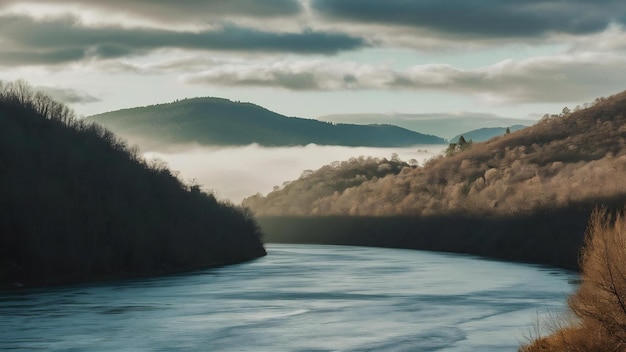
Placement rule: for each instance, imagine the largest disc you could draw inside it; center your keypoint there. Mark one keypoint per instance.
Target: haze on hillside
(446, 125)
(225, 171)
(485, 133)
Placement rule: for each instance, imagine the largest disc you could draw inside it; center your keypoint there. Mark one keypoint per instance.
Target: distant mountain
(78, 205)
(444, 125)
(486, 133)
(215, 121)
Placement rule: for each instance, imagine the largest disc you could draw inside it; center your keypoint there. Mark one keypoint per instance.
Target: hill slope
(559, 160)
(214, 121)
(78, 205)
(531, 189)
(486, 133)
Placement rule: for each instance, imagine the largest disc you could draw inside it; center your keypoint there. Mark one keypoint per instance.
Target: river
(298, 298)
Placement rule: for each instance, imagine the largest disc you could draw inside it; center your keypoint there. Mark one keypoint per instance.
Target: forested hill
(563, 159)
(215, 121)
(78, 205)
(524, 196)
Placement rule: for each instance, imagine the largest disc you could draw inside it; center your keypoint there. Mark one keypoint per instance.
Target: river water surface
(298, 298)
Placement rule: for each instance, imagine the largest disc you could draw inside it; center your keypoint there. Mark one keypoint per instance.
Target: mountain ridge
(486, 133)
(446, 125)
(219, 121)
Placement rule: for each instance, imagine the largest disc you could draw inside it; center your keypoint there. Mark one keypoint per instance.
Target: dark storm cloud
(297, 81)
(485, 18)
(9, 57)
(183, 9)
(66, 39)
(69, 96)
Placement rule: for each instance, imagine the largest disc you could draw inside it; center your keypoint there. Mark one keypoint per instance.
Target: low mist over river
(234, 173)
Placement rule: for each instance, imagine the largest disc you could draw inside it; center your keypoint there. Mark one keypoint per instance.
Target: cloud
(67, 95)
(551, 79)
(487, 19)
(167, 10)
(66, 39)
(34, 56)
(611, 40)
(304, 75)
(231, 42)
(558, 78)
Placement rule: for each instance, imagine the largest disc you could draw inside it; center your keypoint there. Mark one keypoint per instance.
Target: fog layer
(234, 173)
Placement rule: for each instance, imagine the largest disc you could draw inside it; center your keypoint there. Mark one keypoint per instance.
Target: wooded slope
(562, 160)
(77, 204)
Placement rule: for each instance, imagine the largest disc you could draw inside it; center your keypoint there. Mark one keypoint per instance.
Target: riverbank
(551, 237)
(59, 281)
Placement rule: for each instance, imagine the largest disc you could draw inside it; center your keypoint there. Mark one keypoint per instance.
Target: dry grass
(600, 302)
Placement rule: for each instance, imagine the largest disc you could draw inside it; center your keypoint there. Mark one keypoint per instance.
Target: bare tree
(21, 91)
(600, 302)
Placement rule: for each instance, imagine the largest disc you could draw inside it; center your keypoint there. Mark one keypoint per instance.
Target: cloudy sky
(315, 57)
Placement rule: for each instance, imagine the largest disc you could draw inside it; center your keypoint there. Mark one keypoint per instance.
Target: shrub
(600, 302)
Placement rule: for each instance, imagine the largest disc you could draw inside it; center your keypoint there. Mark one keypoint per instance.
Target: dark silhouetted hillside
(565, 164)
(214, 121)
(78, 204)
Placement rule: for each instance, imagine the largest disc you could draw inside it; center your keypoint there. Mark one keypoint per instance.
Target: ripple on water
(298, 298)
